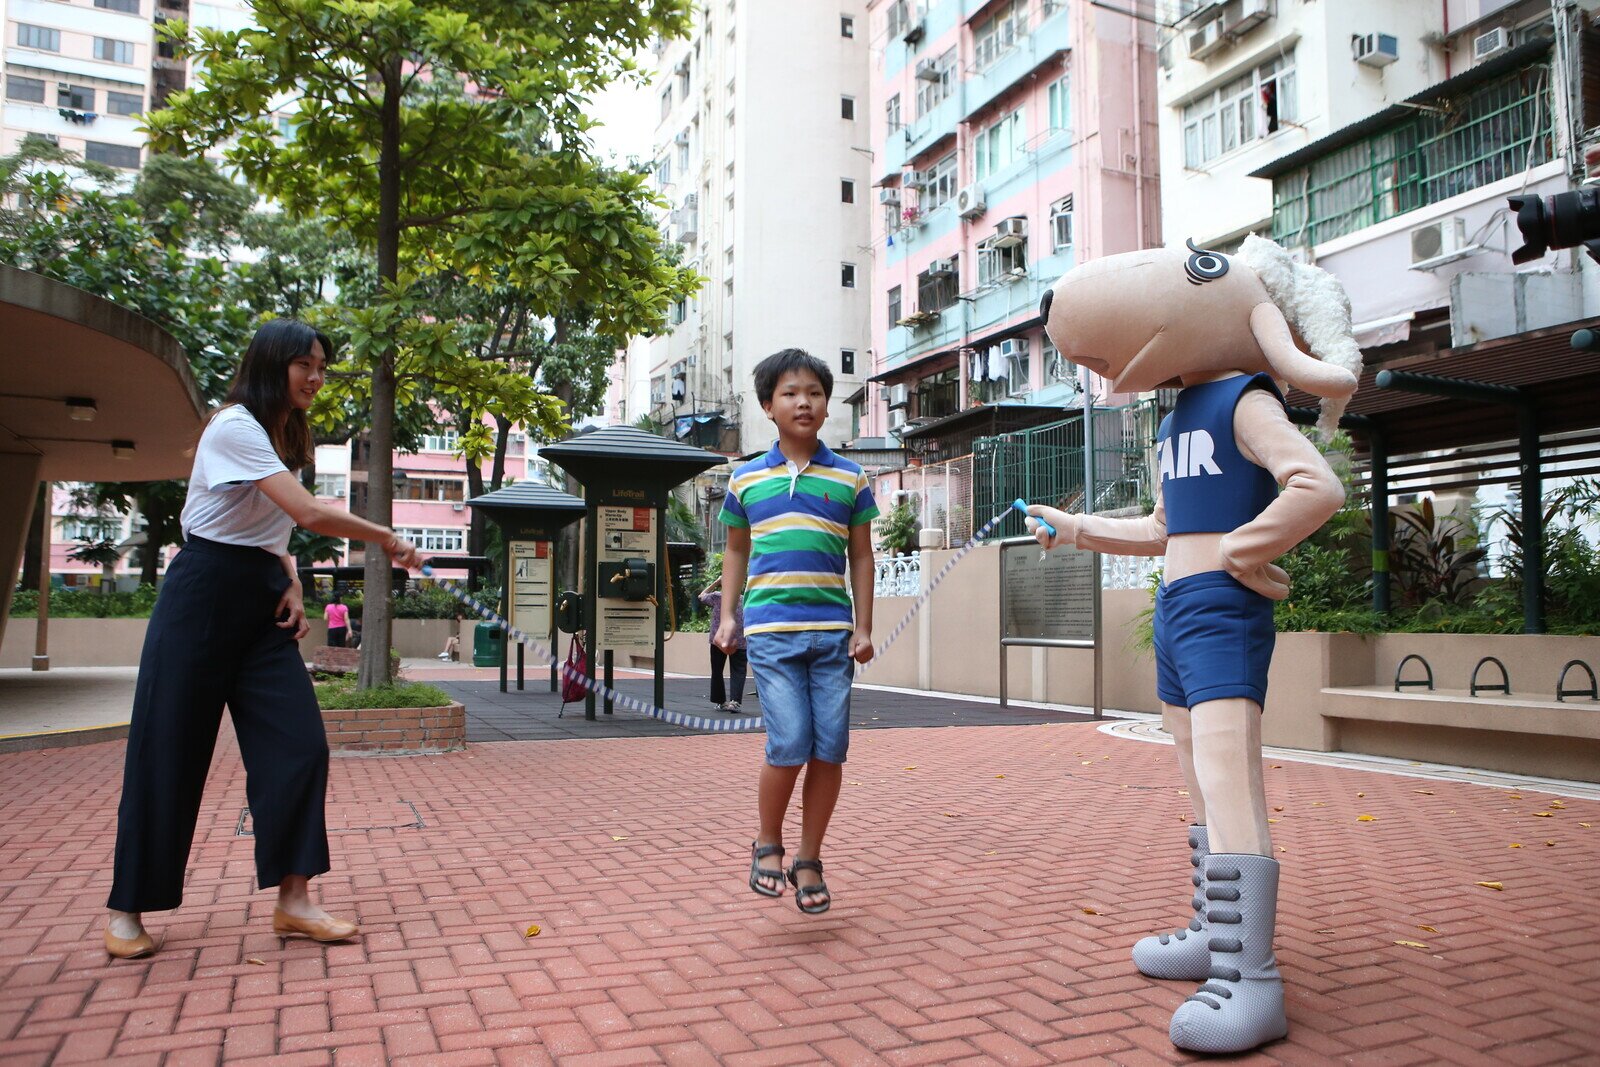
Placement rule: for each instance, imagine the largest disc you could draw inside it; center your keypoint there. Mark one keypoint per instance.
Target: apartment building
(1012, 139)
(763, 149)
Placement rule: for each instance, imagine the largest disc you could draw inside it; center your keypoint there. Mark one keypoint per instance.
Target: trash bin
(486, 645)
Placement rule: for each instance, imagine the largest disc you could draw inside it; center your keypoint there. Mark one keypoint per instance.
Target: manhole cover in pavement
(352, 818)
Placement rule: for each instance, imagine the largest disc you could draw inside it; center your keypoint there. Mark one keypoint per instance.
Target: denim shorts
(1214, 640)
(803, 678)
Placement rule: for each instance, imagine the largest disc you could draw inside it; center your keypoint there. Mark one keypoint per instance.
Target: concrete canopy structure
(89, 391)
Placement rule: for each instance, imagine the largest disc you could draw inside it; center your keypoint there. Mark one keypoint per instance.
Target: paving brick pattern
(988, 883)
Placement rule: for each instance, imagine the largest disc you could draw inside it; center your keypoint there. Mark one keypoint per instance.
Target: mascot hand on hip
(1238, 486)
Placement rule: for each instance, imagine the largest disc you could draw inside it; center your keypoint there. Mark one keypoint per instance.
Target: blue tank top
(1206, 483)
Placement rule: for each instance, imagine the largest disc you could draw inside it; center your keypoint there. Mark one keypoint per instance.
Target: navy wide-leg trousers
(212, 642)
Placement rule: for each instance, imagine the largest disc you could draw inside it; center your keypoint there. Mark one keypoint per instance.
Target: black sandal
(802, 893)
(758, 872)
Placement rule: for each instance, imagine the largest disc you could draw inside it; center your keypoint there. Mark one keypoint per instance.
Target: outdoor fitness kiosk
(627, 475)
(529, 516)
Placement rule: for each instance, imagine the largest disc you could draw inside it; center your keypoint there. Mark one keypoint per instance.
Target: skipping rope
(700, 722)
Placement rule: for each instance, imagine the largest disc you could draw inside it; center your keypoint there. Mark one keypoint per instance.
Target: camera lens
(1560, 221)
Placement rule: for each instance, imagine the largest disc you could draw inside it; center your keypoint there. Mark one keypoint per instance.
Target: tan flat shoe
(130, 948)
(286, 925)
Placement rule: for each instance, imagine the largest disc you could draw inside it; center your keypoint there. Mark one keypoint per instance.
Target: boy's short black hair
(775, 366)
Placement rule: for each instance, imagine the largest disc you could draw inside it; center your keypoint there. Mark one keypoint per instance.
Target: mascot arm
(1309, 494)
(1145, 536)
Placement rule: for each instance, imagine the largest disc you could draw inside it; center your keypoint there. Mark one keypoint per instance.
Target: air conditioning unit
(1009, 233)
(928, 70)
(1013, 347)
(458, 506)
(897, 396)
(889, 197)
(691, 202)
(897, 421)
(682, 140)
(1375, 49)
(942, 266)
(1489, 42)
(339, 492)
(1438, 241)
(1206, 40)
(1252, 13)
(914, 32)
(917, 179)
(688, 224)
(970, 203)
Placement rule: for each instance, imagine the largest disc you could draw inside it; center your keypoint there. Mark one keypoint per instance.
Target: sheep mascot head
(1146, 319)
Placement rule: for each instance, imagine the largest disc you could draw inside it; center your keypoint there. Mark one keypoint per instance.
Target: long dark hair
(262, 386)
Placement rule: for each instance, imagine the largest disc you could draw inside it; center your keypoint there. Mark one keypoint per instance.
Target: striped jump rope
(700, 722)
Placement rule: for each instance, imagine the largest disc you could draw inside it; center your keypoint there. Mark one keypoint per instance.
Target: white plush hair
(1316, 305)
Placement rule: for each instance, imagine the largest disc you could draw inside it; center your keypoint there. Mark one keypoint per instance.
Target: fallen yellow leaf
(1272, 820)
(1543, 815)
(1087, 762)
(1423, 792)
(1496, 886)
(1430, 929)
(1513, 796)
(1278, 808)
(1557, 804)
(1513, 845)
(619, 837)
(1183, 792)
(533, 931)
(1549, 844)
(1317, 804)
(1361, 794)
(1366, 818)
(950, 815)
(1283, 850)
(912, 767)
(1090, 911)
(1277, 766)
(258, 963)
(1411, 944)
(1584, 825)
(999, 776)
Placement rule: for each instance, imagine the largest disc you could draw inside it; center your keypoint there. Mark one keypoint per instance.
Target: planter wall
(396, 731)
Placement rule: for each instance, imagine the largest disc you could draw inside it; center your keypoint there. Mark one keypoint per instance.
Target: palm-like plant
(103, 553)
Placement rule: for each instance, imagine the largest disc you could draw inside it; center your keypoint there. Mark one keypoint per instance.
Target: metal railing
(897, 576)
(1490, 133)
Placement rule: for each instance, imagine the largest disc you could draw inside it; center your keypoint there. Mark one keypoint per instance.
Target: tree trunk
(158, 525)
(375, 620)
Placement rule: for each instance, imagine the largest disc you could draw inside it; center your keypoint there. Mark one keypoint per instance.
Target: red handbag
(574, 674)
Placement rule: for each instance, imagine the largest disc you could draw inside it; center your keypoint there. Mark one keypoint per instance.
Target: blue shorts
(803, 679)
(1214, 640)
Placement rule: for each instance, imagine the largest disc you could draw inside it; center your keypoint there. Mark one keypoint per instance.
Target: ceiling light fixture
(81, 409)
(122, 449)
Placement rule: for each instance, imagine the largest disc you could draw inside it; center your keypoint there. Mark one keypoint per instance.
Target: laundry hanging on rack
(997, 365)
(976, 371)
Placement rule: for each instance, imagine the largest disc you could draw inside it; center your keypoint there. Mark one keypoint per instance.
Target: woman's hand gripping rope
(678, 718)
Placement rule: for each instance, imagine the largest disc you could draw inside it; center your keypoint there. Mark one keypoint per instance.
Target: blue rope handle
(735, 724)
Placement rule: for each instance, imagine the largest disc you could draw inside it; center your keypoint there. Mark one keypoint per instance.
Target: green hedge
(337, 693)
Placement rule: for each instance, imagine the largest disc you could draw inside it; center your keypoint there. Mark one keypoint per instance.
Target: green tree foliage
(428, 178)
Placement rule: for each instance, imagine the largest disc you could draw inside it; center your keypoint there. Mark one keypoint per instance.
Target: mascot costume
(1238, 486)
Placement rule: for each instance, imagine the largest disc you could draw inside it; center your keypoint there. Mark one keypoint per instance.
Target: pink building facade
(1011, 140)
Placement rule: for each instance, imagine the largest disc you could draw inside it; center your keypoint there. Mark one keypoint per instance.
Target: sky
(628, 112)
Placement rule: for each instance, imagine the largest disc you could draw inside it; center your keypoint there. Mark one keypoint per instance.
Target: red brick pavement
(988, 884)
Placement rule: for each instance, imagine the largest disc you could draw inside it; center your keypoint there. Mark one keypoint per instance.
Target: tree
(102, 552)
(428, 178)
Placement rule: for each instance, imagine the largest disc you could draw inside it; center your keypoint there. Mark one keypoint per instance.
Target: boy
(794, 516)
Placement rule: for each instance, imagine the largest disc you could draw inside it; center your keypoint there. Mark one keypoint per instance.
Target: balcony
(908, 342)
(1048, 40)
(932, 128)
(894, 155)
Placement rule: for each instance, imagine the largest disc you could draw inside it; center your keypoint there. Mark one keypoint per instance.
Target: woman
(338, 617)
(224, 632)
(737, 664)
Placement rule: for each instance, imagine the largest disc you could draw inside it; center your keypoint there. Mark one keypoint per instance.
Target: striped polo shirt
(799, 522)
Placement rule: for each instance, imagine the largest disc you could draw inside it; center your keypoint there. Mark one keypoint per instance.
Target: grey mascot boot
(1182, 954)
(1241, 1006)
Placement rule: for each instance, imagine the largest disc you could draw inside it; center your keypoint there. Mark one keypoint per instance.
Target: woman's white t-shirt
(224, 503)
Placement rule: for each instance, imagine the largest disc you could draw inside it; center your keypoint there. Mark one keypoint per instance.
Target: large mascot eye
(1203, 266)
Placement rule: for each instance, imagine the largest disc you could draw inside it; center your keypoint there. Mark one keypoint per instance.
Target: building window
(847, 275)
(28, 90)
(666, 101)
(847, 361)
(1061, 224)
(939, 394)
(999, 262)
(90, 528)
(1060, 98)
(683, 79)
(664, 171)
(847, 191)
(892, 113)
(112, 155)
(130, 7)
(330, 485)
(938, 184)
(1001, 33)
(1058, 370)
(847, 26)
(680, 311)
(1250, 107)
(41, 37)
(939, 285)
(113, 51)
(132, 104)
(433, 539)
(847, 108)
(1001, 144)
(77, 97)
(682, 142)
(895, 314)
(931, 92)
(437, 489)
(441, 442)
